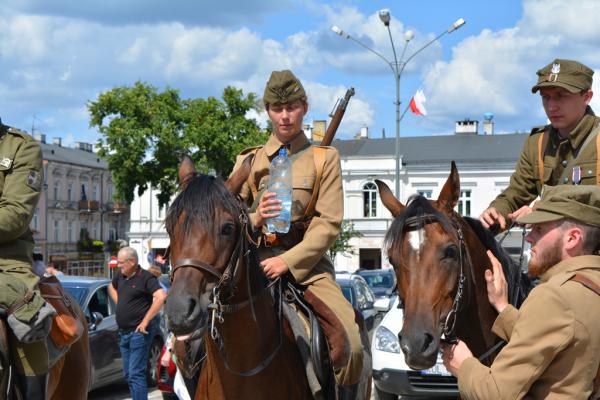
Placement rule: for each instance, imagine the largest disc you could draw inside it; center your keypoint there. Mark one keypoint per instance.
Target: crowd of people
(548, 355)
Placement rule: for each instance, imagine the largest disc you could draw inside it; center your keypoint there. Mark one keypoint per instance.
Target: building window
(95, 231)
(95, 194)
(35, 220)
(425, 193)
(56, 189)
(109, 189)
(464, 203)
(70, 232)
(369, 200)
(112, 233)
(70, 191)
(56, 230)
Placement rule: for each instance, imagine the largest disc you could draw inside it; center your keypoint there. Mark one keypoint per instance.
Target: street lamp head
(459, 22)
(339, 31)
(384, 16)
(409, 35)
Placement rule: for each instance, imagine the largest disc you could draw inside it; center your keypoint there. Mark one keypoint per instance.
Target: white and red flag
(417, 103)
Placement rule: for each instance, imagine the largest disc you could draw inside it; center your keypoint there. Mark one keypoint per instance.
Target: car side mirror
(382, 304)
(96, 319)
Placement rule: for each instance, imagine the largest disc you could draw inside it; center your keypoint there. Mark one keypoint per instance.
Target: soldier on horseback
(27, 314)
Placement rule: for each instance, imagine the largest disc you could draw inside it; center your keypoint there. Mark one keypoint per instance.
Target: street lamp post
(397, 67)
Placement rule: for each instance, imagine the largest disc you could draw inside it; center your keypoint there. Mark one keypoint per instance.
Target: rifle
(336, 117)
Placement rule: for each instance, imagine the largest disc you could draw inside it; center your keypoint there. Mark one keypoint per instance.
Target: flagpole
(397, 67)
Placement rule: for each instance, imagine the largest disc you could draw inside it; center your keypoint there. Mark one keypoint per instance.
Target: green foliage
(341, 244)
(146, 132)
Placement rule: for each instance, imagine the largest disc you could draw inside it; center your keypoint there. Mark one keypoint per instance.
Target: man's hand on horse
(453, 356)
(274, 267)
(268, 207)
(491, 217)
(497, 288)
(521, 212)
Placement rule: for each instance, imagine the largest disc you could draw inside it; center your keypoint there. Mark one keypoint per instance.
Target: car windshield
(78, 293)
(383, 281)
(348, 293)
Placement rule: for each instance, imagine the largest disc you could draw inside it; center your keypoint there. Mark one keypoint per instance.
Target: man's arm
(158, 299)
(112, 292)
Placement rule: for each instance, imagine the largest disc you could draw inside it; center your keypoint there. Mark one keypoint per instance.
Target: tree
(146, 132)
(341, 244)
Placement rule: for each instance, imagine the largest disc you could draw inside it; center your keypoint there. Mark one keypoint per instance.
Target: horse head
(205, 223)
(426, 248)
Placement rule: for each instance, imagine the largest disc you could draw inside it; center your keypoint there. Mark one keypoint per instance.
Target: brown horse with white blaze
(439, 259)
(218, 290)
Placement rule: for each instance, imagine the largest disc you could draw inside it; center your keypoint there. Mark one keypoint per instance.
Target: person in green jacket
(28, 315)
(565, 152)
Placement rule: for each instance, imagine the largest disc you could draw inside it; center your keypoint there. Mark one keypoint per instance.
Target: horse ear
(387, 198)
(187, 171)
(239, 176)
(451, 191)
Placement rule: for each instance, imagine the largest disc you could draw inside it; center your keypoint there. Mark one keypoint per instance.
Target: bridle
(226, 280)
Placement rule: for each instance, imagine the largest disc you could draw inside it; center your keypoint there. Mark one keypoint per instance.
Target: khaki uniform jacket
(525, 184)
(553, 349)
(308, 259)
(21, 179)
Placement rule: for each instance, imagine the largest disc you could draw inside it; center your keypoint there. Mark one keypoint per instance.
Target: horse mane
(519, 284)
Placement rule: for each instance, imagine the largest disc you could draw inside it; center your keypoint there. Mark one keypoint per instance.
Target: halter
(450, 321)
(227, 279)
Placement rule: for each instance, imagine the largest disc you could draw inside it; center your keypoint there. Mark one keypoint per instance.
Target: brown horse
(69, 376)
(218, 290)
(439, 258)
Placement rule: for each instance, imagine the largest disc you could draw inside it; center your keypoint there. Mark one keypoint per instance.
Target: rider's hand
(166, 358)
(453, 356)
(274, 267)
(490, 217)
(268, 207)
(496, 284)
(521, 212)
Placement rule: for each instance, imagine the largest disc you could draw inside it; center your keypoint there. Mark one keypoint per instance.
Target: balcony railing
(116, 207)
(88, 206)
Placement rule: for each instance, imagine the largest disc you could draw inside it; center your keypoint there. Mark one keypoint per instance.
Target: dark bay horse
(218, 290)
(439, 259)
(69, 376)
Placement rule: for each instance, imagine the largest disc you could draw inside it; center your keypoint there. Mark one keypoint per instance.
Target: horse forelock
(200, 202)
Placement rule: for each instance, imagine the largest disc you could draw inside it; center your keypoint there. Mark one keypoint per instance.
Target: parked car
(381, 281)
(107, 363)
(393, 378)
(358, 293)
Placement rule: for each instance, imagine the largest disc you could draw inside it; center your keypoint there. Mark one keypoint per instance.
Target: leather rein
(226, 279)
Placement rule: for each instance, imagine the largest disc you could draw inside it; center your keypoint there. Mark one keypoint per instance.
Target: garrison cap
(581, 203)
(567, 74)
(283, 87)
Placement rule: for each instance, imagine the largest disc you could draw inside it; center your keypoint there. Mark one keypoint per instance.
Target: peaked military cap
(581, 203)
(567, 74)
(283, 87)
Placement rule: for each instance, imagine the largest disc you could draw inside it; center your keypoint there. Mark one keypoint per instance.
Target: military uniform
(308, 261)
(549, 159)
(21, 179)
(553, 349)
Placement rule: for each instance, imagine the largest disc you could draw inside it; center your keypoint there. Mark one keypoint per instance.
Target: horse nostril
(427, 342)
(191, 306)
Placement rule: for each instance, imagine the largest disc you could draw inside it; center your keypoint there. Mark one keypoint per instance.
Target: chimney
(364, 132)
(87, 147)
(318, 132)
(57, 141)
(40, 137)
(466, 127)
(488, 124)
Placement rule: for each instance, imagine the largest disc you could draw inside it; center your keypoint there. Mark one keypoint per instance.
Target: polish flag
(417, 103)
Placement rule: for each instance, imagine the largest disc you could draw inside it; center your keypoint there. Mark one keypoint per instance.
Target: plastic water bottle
(280, 183)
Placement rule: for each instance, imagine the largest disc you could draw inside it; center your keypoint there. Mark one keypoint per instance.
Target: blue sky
(56, 56)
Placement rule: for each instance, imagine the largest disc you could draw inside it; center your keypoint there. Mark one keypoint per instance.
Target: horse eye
(227, 229)
(451, 251)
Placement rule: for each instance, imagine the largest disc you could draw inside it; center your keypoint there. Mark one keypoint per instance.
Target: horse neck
(477, 318)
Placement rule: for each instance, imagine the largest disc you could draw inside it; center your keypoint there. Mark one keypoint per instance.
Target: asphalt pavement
(120, 391)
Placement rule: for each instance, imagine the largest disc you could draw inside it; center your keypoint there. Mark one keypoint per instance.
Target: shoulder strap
(598, 160)
(319, 154)
(251, 182)
(542, 143)
(573, 161)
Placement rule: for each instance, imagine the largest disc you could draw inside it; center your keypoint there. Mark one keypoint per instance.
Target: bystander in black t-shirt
(135, 297)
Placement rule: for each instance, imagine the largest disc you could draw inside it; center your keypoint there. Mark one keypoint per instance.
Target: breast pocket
(3, 173)
(588, 173)
(303, 188)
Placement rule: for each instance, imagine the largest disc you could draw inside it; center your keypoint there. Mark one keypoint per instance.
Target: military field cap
(581, 203)
(283, 87)
(567, 74)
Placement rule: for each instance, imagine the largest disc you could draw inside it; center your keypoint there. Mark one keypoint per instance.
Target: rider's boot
(33, 387)
(349, 392)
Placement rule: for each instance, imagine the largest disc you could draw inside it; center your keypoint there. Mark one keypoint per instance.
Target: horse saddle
(66, 326)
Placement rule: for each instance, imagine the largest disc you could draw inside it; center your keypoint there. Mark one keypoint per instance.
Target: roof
(81, 281)
(67, 155)
(421, 150)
